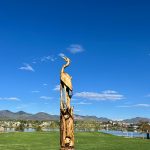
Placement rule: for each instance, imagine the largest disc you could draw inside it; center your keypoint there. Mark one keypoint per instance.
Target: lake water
(28, 130)
(25, 130)
(125, 134)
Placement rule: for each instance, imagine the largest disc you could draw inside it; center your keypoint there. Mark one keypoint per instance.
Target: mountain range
(21, 115)
(137, 120)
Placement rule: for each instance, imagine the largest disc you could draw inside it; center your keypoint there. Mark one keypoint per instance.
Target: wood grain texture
(66, 111)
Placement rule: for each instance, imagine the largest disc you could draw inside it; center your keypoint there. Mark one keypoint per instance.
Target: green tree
(20, 127)
(38, 128)
(144, 126)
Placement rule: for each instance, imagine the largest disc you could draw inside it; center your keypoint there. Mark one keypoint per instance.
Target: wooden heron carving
(66, 111)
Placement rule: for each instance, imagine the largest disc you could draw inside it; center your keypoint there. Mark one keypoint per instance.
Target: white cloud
(35, 91)
(57, 88)
(76, 110)
(13, 98)
(61, 54)
(10, 98)
(110, 92)
(102, 96)
(82, 103)
(46, 97)
(142, 105)
(136, 105)
(74, 99)
(148, 95)
(27, 67)
(124, 106)
(48, 58)
(75, 48)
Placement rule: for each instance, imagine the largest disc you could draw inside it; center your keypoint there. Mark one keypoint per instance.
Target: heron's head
(66, 59)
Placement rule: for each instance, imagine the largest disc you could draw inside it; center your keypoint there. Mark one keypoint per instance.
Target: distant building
(2, 129)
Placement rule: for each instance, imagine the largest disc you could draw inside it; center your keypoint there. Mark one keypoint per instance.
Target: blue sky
(108, 43)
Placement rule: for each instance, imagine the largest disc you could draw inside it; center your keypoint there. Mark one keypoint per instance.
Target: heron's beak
(64, 57)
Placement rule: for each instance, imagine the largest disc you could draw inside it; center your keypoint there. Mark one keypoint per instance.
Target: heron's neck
(64, 66)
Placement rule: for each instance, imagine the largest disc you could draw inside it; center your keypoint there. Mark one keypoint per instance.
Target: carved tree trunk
(66, 131)
(66, 113)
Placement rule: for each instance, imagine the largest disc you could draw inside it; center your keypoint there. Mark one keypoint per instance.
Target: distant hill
(42, 116)
(78, 117)
(21, 115)
(136, 120)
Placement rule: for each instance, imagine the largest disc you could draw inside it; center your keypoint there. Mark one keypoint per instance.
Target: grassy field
(84, 141)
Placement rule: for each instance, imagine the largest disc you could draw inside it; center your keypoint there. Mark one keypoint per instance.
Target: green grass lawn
(84, 141)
